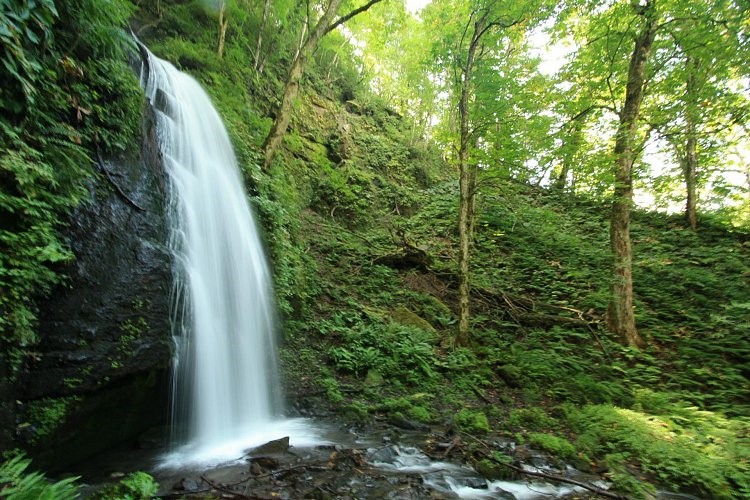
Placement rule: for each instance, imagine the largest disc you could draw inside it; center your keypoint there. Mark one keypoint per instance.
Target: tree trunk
(259, 44)
(335, 60)
(291, 87)
(467, 189)
(691, 168)
(568, 154)
(691, 144)
(620, 318)
(223, 23)
(301, 41)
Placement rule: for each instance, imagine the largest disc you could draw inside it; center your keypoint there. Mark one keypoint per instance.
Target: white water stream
(226, 395)
(464, 482)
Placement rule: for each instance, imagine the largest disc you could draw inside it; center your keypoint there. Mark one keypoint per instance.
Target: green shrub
(135, 486)
(533, 418)
(420, 414)
(405, 408)
(332, 390)
(406, 352)
(682, 447)
(46, 415)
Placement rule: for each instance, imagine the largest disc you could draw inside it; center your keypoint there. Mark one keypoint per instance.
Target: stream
(380, 462)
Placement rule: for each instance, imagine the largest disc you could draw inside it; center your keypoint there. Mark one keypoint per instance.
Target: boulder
(275, 447)
(403, 316)
(105, 340)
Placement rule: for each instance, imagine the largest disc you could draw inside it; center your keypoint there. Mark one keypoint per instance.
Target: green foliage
(680, 445)
(68, 92)
(135, 486)
(333, 392)
(46, 415)
(343, 190)
(24, 28)
(404, 407)
(391, 348)
(472, 421)
(17, 483)
(623, 479)
(533, 418)
(555, 445)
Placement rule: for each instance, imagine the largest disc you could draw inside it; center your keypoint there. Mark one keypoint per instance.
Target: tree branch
(341, 20)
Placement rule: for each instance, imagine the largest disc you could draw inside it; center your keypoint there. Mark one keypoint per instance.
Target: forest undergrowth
(360, 222)
(542, 369)
(359, 217)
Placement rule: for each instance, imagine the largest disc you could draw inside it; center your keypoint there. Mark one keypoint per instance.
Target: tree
(326, 23)
(223, 24)
(693, 50)
(474, 41)
(705, 55)
(261, 29)
(620, 317)
(398, 61)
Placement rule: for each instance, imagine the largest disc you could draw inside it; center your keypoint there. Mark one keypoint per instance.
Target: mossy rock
(356, 412)
(421, 414)
(494, 471)
(471, 421)
(373, 378)
(557, 446)
(403, 316)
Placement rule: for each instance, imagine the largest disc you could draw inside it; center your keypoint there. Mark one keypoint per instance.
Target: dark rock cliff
(100, 373)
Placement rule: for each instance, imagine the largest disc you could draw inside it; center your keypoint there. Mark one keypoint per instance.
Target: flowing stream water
(226, 393)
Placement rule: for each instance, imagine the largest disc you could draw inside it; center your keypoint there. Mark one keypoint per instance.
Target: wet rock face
(105, 336)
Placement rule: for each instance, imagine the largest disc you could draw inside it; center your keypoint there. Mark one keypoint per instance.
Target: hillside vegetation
(360, 218)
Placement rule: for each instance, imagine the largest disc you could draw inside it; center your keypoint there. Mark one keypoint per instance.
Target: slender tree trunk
(620, 318)
(691, 144)
(223, 23)
(284, 113)
(269, 50)
(691, 179)
(568, 154)
(261, 29)
(301, 41)
(272, 45)
(335, 60)
(467, 190)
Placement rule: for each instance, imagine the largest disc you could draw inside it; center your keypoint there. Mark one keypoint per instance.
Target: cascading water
(225, 395)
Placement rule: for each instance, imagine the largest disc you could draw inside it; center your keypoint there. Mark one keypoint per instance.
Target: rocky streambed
(381, 462)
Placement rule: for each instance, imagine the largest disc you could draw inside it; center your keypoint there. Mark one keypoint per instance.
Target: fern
(18, 484)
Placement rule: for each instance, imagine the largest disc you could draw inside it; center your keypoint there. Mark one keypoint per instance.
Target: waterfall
(225, 382)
